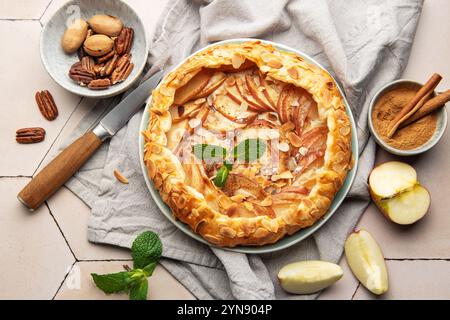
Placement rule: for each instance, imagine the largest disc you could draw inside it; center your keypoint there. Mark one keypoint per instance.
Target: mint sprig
(221, 176)
(248, 150)
(146, 251)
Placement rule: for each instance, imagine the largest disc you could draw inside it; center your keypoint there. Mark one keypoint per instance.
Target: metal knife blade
(119, 116)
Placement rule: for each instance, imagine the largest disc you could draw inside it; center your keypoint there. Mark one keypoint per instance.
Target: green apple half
(366, 261)
(305, 277)
(395, 190)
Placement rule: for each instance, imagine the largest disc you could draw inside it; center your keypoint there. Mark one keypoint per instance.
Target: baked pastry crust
(193, 206)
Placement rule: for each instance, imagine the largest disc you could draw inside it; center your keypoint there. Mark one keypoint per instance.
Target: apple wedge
(281, 103)
(407, 207)
(391, 178)
(214, 83)
(191, 89)
(271, 92)
(232, 110)
(306, 277)
(234, 94)
(259, 97)
(366, 261)
(189, 109)
(246, 95)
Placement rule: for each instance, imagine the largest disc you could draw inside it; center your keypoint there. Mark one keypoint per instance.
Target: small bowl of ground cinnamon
(407, 118)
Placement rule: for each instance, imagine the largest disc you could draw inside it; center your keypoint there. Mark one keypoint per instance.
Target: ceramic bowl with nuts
(94, 48)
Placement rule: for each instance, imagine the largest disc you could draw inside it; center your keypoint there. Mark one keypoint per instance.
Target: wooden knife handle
(59, 170)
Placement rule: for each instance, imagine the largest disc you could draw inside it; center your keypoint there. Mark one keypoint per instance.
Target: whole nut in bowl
(101, 34)
(98, 45)
(74, 36)
(106, 24)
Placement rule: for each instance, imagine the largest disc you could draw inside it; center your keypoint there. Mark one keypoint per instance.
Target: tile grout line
(57, 136)
(45, 10)
(60, 230)
(18, 176)
(62, 282)
(356, 290)
(105, 260)
(14, 19)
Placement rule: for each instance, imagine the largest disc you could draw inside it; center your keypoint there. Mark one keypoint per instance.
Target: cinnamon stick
(430, 106)
(418, 101)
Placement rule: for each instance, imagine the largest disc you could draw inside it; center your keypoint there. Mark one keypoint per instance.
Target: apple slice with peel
(366, 261)
(233, 111)
(259, 97)
(193, 87)
(306, 277)
(390, 179)
(407, 207)
(214, 83)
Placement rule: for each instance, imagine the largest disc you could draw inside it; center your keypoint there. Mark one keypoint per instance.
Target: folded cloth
(365, 44)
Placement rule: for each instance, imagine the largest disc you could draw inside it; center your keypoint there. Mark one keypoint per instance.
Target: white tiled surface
(49, 244)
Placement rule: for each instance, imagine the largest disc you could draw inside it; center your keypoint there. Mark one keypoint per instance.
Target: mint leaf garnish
(221, 176)
(148, 270)
(139, 290)
(146, 249)
(228, 165)
(209, 152)
(249, 150)
(113, 282)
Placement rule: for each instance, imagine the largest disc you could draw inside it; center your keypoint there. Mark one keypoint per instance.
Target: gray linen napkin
(364, 43)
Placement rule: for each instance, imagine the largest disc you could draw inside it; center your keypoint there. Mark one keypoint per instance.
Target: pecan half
(98, 68)
(109, 67)
(107, 57)
(124, 41)
(123, 69)
(99, 84)
(88, 63)
(30, 135)
(79, 74)
(46, 104)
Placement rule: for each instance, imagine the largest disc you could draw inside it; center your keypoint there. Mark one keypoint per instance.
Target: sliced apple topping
(391, 178)
(306, 277)
(216, 122)
(305, 104)
(308, 161)
(395, 190)
(313, 135)
(189, 109)
(191, 89)
(246, 95)
(232, 110)
(214, 83)
(366, 261)
(272, 89)
(259, 97)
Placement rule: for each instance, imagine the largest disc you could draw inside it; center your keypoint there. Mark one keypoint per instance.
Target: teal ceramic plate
(288, 240)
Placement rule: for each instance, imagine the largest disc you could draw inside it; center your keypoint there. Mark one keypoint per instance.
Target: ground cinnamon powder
(388, 106)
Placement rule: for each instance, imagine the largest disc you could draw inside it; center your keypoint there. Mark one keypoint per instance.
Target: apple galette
(247, 143)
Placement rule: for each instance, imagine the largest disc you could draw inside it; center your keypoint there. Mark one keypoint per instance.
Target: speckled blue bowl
(288, 240)
(57, 62)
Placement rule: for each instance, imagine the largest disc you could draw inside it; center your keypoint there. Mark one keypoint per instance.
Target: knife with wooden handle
(71, 159)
